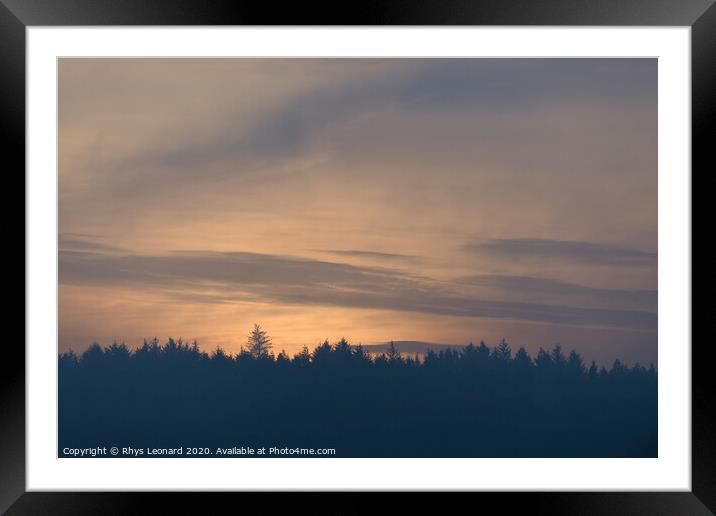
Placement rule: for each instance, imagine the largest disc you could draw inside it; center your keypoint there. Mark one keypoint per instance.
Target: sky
(439, 200)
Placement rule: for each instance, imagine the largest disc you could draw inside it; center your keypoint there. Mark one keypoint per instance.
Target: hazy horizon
(434, 200)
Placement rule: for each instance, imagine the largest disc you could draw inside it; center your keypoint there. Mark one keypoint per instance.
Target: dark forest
(474, 401)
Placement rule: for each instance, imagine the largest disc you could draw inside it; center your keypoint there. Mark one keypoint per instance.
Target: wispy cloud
(575, 294)
(84, 242)
(565, 250)
(291, 280)
(377, 255)
(293, 126)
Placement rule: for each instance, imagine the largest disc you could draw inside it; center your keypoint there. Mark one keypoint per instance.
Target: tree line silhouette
(477, 401)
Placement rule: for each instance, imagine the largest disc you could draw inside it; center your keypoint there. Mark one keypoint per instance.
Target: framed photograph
(434, 248)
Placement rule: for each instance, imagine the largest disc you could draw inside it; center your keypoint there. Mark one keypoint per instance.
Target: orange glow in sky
(437, 200)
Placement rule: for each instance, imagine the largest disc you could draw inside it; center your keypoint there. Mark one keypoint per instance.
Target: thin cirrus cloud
(488, 85)
(267, 278)
(83, 242)
(377, 255)
(565, 250)
(438, 85)
(544, 287)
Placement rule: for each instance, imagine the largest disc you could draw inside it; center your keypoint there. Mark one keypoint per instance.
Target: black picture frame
(17, 15)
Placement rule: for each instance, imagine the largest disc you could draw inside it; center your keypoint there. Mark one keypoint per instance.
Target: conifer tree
(258, 343)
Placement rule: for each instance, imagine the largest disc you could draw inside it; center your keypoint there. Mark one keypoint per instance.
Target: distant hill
(410, 346)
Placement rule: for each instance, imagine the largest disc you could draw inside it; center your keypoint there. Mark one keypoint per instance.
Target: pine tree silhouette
(258, 343)
(503, 351)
